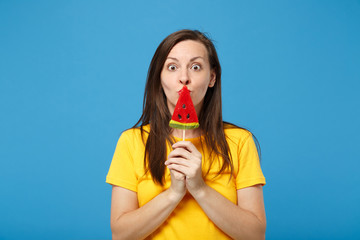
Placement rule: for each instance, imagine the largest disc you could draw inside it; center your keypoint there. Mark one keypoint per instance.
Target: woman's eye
(196, 67)
(172, 67)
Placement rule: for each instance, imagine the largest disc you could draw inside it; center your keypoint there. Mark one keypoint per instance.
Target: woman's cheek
(199, 96)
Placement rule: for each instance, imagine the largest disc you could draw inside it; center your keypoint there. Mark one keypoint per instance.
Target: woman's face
(187, 64)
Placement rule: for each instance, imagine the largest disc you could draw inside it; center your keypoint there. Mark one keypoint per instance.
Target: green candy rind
(179, 125)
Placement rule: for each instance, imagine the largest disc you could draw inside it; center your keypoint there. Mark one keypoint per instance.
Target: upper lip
(181, 89)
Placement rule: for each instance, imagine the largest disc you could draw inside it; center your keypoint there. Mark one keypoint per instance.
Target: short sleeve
(122, 170)
(250, 172)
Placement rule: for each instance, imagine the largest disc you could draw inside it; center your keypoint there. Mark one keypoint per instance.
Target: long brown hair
(156, 112)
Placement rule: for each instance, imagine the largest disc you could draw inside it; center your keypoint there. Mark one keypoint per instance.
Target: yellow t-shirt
(188, 220)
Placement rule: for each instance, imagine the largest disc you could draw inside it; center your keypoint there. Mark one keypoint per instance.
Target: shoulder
(136, 131)
(136, 134)
(236, 134)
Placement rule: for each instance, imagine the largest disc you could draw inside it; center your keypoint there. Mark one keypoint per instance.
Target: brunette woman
(206, 187)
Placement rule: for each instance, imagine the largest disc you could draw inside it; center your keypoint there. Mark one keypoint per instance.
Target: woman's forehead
(188, 49)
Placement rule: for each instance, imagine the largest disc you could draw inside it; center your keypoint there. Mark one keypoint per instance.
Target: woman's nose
(184, 77)
(184, 81)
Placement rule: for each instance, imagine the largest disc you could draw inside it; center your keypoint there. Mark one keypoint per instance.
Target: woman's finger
(180, 152)
(179, 161)
(189, 146)
(179, 168)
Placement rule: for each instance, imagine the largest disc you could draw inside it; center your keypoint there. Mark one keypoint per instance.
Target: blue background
(72, 77)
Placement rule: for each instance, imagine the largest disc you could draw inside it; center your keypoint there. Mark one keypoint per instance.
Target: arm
(128, 221)
(246, 220)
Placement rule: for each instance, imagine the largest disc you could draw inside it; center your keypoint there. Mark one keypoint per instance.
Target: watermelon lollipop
(184, 116)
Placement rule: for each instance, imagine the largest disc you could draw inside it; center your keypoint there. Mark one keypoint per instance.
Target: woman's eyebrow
(195, 58)
(192, 59)
(175, 59)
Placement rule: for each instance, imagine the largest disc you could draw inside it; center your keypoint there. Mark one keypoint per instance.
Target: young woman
(206, 187)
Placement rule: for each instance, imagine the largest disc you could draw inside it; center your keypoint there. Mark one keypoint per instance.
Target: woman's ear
(212, 78)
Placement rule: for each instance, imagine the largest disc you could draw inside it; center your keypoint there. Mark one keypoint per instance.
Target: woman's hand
(185, 159)
(246, 220)
(177, 188)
